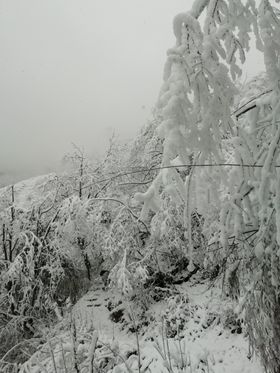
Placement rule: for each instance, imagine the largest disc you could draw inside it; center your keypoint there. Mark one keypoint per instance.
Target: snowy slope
(205, 344)
(27, 192)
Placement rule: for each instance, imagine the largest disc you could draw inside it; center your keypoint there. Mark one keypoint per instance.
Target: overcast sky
(75, 70)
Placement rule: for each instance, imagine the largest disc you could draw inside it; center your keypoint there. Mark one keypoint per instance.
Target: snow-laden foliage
(58, 234)
(199, 189)
(194, 106)
(233, 181)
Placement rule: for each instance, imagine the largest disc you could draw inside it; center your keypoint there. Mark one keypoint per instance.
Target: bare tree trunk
(12, 225)
(82, 245)
(81, 175)
(4, 242)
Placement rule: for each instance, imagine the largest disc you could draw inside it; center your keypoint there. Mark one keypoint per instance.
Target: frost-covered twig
(74, 342)
(52, 357)
(92, 351)
(238, 112)
(137, 339)
(126, 207)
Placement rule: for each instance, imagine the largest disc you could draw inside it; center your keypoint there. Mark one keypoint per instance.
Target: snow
(182, 20)
(195, 112)
(29, 191)
(91, 312)
(198, 7)
(212, 346)
(205, 345)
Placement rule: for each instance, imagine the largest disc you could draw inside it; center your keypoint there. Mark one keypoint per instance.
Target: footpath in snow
(191, 331)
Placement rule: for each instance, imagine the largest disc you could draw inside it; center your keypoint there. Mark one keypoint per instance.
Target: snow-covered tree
(233, 152)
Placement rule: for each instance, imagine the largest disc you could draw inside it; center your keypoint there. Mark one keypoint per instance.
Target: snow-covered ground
(30, 191)
(206, 344)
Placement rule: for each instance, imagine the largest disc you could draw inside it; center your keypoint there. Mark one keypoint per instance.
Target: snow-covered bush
(170, 238)
(176, 315)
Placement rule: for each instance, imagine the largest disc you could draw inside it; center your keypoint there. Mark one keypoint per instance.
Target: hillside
(163, 256)
(29, 191)
(191, 327)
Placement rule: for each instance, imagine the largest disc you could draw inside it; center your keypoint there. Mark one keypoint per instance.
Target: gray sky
(75, 70)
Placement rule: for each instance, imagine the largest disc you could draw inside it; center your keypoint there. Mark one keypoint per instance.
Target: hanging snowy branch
(197, 123)
(194, 107)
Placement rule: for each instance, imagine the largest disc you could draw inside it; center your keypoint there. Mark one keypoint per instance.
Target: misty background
(77, 71)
